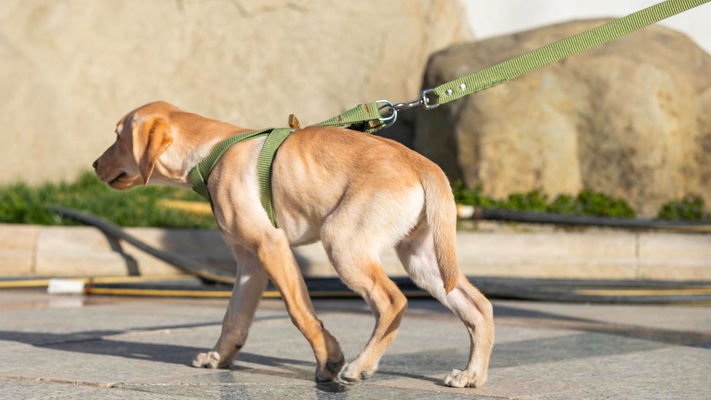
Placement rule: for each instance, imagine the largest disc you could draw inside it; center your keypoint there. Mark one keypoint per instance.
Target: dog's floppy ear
(151, 138)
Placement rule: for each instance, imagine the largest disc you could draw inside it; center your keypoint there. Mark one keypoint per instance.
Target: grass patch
(690, 208)
(586, 202)
(23, 204)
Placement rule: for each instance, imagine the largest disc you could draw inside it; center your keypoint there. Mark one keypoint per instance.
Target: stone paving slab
(100, 347)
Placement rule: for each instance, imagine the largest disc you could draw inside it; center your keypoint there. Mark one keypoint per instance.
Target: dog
(356, 192)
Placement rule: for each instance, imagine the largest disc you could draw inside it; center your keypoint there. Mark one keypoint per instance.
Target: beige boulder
(630, 118)
(70, 69)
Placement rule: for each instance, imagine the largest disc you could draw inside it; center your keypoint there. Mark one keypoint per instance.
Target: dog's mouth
(118, 178)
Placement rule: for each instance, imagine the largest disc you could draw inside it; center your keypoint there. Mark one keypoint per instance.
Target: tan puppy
(356, 192)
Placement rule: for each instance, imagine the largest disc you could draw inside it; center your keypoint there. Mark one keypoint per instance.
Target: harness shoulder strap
(199, 175)
(264, 168)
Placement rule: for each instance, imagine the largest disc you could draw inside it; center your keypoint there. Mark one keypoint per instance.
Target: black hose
(585, 220)
(556, 290)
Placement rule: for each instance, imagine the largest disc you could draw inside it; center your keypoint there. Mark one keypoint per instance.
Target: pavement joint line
(128, 385)
(141, 390)
(62, 381)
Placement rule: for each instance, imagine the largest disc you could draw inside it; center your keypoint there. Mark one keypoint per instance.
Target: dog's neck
(183, 155)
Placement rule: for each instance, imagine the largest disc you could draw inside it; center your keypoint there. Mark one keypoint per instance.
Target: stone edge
(29, 250)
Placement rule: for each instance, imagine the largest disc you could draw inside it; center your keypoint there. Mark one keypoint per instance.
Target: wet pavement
(100, 347)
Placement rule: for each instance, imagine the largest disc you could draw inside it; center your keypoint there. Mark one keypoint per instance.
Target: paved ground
(69, 347)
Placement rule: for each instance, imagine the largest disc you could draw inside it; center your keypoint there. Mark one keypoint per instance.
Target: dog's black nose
(95, 164)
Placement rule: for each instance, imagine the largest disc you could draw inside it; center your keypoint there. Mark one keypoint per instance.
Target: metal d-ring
(389, 120)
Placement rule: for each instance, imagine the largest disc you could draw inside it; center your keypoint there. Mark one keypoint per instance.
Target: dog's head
(141, 137)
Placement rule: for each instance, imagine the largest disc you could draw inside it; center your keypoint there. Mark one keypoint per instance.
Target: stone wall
(69, 69)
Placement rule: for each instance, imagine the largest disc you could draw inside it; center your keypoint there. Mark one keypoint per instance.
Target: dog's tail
(441, 212)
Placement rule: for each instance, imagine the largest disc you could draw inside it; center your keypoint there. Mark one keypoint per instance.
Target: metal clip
(426, 102)
(405, 106)
(390, 119)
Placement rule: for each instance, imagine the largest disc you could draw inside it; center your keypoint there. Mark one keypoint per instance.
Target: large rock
(630, 118)
(69, 69)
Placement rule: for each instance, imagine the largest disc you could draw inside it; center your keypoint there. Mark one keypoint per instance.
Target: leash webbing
(535, 59)
(367, 114)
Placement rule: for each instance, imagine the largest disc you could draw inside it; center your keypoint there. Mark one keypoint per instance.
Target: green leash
(553, 52)
(380, 114)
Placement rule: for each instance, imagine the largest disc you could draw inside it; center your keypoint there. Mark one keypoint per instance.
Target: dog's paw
(350, 374)
(330, 370)
(368, 373)
(210, 359)
(354, 373)
(460, 379)
(364, 375)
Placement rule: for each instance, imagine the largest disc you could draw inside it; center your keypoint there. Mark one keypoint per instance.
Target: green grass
(690, 208)
(23, 204)
(586, 202)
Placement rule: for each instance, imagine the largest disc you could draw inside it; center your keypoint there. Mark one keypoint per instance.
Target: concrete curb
(29, 250)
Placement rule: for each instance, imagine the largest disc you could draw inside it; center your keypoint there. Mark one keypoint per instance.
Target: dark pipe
(582, 220)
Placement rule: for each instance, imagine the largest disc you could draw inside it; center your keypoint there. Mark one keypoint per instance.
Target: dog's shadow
(104, 342)
(108, 343)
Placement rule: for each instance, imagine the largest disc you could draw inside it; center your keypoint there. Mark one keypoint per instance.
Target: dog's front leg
(252, 280)
(277, 259)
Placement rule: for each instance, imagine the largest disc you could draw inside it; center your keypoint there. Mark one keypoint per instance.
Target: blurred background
(492, 18)
(622, 130)
(627, 120)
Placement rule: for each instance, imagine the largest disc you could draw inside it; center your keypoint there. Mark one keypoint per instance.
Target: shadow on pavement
(589, 339)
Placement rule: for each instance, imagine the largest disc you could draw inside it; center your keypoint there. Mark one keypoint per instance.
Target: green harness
(368, 117)
(199, 175)
(365, 117)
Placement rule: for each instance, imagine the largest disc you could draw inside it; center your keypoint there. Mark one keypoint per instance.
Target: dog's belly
(300, 231)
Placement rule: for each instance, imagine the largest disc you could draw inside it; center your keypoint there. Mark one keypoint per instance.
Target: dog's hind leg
(386, 301)
(417, 254)
(353, 237)
(247, 291)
